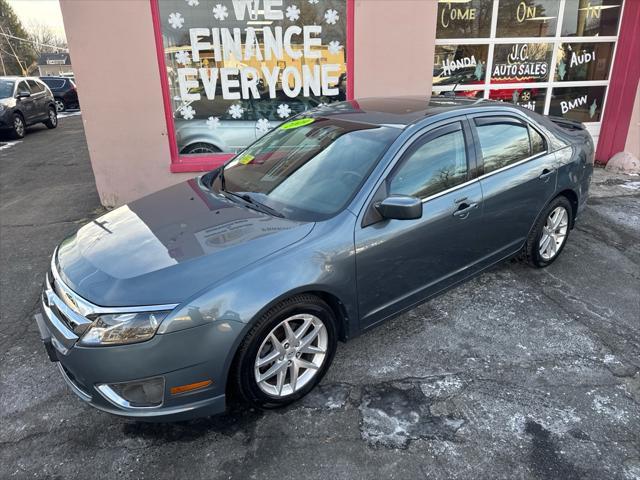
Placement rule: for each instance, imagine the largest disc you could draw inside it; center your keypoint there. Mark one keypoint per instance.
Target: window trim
(201, 163)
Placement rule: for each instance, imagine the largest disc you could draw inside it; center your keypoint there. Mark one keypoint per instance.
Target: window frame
(506, 118)
(201, 163)
(547, 87)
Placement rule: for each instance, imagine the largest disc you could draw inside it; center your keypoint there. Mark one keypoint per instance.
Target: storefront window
(531, 98)
(471, 19)
(527, 18)
(587, 18)
(235, 69)
(460, 64)
(583, 104)
(583, 61)
(530, 54)
(521, 62)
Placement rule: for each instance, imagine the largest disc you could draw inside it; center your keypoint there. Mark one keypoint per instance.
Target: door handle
(546, 173)
(464, 209)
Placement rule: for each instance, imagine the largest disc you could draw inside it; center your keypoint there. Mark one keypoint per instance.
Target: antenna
(452, 92)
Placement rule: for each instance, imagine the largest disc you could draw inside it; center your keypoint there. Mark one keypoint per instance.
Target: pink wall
(632, 145)
(394, 47)
(114, 58)
(115, 64)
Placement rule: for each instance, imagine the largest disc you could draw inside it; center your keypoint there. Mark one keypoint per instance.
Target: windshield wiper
(256, 205)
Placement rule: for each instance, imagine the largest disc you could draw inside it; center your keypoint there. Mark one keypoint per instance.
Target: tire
(60, 105)
(535, 252)
(291, 356)
(19, 129)
(200, 148)
(52, 122)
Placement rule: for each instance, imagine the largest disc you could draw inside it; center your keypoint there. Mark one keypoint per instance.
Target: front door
(25, 104)
(402, 262)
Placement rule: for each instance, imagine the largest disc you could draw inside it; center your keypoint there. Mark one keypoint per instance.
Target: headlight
(122, 328)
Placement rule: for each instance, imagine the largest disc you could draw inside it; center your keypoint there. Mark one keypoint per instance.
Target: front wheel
(60, 105)
(19, 127)
(286, 353)
(549, 235)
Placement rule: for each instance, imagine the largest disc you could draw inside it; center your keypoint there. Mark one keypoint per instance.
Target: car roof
(400, 111)
(16, 77)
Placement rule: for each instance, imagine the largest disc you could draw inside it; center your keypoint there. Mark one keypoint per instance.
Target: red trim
(622, 86)
(203, 163)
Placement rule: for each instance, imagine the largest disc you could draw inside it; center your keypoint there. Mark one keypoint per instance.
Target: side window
(35, 86)
(502, 143)
(23, 87)
(436, 165)
(537, 142)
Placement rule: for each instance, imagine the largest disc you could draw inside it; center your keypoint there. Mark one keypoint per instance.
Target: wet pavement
(519, 373)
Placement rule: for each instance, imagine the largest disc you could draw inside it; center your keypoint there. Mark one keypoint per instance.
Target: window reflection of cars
(203, 136)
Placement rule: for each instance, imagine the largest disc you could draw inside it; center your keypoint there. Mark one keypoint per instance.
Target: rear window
(54, 83)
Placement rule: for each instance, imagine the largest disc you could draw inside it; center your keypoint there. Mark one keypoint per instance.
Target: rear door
(40, 101)
(518, 178)
(26, 105)
(402, 262)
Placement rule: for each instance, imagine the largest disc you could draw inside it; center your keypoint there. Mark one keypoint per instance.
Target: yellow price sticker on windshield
(297, 123)
(246, 158)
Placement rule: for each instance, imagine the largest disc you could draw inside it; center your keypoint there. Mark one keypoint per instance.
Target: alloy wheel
(53, 117)
(59, 105)
(554, 233)
(18, 125)
(291, 355)
(525, 96)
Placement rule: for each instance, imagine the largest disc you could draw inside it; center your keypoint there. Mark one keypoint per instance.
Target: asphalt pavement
(519, 373)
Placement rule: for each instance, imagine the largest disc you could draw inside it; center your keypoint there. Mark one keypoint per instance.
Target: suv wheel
(60, 105)
(19, 127)
(549, 234)
(52, 120)
(286, 353)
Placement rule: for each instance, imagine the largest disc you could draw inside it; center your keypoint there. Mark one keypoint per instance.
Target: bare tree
(44, 39)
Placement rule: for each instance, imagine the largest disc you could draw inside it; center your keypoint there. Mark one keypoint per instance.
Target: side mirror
(400, 207)
(24, 94)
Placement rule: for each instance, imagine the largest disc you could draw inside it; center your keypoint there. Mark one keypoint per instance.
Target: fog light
(136, 394)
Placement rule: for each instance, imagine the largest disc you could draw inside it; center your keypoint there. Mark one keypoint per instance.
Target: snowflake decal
(313, 2)
(176, 20)
(236, 111)
(263, 125)
(213, 123)
(193, 3)
(293, 13)
(183, 57)
(284, 110)
(331, 16)
(187, 112)
(220, 12)
(334, 47)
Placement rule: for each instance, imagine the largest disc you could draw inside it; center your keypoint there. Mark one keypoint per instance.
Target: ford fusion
(244, 279)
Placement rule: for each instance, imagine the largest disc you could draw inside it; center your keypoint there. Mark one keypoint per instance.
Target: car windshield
(6, 88)
(309, 168)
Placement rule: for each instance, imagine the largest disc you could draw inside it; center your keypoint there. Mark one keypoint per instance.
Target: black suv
(25, 101)
(64, 91)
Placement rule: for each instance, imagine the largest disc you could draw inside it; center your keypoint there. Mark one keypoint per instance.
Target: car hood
(168, 246)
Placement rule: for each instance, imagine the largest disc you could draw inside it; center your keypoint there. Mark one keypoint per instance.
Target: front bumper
(183, 357)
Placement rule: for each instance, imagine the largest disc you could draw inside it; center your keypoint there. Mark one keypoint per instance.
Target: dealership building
(173, 87)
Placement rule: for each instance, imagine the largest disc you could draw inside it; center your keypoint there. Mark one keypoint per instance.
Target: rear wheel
(60, 105)
(286, 353)
(549, 235)
(52, 120)
(19, 127)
